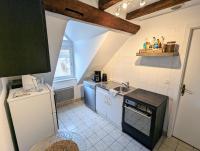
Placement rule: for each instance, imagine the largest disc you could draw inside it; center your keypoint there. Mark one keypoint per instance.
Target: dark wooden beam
(104, 4)
(162, 4)
(87, 13)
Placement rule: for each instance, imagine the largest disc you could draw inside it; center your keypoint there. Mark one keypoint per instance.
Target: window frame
(67, 44)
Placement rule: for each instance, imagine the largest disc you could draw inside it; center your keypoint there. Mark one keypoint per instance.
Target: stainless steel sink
(122, 89)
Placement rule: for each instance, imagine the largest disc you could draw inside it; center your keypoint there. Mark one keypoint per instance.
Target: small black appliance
(97, 76)
(104, 78)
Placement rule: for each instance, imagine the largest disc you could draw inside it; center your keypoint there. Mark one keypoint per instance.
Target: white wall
(156, 74)
(56, 25)
(78, 91)
(84, 52)
(78, 30)
(5, 135)
(1, 87)
(110, 45)
(93, 54)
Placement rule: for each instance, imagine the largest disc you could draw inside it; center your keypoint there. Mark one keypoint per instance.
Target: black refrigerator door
(23, 38)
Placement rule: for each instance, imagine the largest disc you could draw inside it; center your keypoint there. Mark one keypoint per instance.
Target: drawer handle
(133, 110)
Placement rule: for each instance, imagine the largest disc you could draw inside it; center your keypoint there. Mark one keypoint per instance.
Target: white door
(187, 126)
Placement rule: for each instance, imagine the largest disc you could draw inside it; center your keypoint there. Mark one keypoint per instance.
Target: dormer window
(65, 64)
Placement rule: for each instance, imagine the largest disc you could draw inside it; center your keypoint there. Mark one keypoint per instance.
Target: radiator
(64, 94)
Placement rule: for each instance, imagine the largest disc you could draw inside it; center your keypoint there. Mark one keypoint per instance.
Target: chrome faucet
(125, 84)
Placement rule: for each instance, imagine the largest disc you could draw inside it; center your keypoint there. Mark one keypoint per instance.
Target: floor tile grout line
(76, 108)
(115, 140)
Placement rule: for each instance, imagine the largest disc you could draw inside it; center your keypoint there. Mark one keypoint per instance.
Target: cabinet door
(23, 38)
(115, 114)
(101, 101)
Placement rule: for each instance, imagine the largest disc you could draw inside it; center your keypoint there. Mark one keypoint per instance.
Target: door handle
(138, 112)
(183, 90)
(110, 102)
(107, 100)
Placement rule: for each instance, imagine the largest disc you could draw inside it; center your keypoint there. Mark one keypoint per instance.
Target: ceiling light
(125, 5)
(117, 13)
(142, 3)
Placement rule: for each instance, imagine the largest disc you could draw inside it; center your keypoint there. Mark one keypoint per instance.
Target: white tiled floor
(101, 135)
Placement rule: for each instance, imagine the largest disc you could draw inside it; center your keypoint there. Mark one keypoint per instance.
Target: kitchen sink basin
(121, 89)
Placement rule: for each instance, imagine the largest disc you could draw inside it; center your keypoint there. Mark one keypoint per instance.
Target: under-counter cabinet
(101, 101)
(109, 106)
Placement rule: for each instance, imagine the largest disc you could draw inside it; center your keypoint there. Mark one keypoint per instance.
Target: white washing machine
(33, 115)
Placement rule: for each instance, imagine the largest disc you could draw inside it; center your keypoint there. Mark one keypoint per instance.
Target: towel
(113, 92)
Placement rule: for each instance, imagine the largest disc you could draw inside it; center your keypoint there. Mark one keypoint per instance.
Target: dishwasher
(90, 94)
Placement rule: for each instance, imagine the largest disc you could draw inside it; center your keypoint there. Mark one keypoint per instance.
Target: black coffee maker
(97, 76)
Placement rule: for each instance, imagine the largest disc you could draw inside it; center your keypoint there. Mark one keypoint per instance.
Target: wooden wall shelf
(157, 54)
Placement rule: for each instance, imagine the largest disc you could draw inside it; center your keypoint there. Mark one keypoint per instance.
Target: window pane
(64, 68)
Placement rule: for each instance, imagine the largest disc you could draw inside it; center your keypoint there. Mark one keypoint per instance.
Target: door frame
(187, 43)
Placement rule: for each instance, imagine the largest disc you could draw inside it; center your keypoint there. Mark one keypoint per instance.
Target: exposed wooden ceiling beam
(104, 4)
(162, 4)
(87, 13)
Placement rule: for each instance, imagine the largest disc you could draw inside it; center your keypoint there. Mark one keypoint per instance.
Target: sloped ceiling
(56, 25)
(110, 45)
(84, 52)
(95, 53)
(79, 31)
(94, 46)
